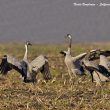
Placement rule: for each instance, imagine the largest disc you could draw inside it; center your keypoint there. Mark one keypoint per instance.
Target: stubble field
(58, 93)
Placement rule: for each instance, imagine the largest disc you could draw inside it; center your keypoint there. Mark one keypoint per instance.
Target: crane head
(69, 36)
(28, 43)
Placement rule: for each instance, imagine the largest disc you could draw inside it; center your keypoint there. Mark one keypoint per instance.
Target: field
(53, 95)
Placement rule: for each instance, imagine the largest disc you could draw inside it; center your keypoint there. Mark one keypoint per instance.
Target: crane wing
(106, 53)
(80, 56)
(41, 64)
(38, 62)
(4, 67)
(8, 63)
(95, 54)
(13, 61)
(103, 61)
(90, 65)
(97, 68)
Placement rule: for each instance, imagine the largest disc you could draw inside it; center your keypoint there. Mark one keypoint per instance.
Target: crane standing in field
(73, 63)
(26, 69)
(102, 55)
(8, 63)
(99, 72)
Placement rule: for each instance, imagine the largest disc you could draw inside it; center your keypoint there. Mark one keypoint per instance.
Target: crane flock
(76, 65)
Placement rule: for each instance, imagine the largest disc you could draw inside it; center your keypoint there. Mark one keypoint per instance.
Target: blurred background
(48, 21)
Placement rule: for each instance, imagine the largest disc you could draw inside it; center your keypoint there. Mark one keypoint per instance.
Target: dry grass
(82, 95)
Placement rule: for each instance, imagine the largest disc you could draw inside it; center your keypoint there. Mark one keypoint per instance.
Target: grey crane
(26, 69)
(102, 55)
(73, 63)
(99, 72)
(8, 63)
